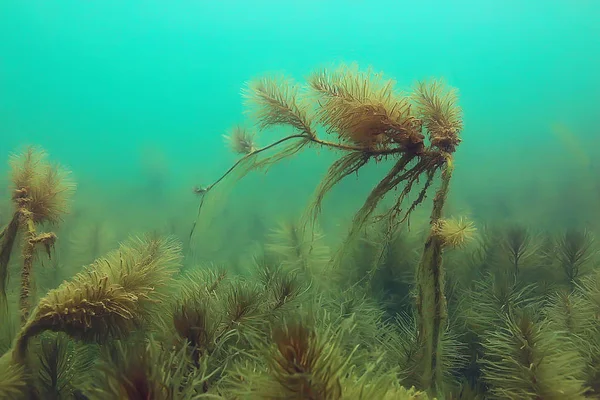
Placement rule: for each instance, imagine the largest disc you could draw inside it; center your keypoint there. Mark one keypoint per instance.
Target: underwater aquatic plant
(405, 348)
(519, 246)
(455, 232)
(110, 298)
(241, 141)
(61, 366)
(574, 250)
(13, 379)
(525, 359)
(148, 371)
(196, 322)
(300, 252)
(303, 359)
(301, 364)
(372, 122)
(41, 193)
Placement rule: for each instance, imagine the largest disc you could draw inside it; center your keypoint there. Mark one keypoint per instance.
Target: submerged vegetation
(432, 309)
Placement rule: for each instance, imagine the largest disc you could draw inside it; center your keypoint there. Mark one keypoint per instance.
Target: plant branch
(306, 136)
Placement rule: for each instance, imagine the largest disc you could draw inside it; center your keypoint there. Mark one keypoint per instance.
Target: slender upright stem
(28, 249)
(431, 301)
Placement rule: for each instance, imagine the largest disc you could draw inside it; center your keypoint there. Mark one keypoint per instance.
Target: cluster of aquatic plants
(510, 313)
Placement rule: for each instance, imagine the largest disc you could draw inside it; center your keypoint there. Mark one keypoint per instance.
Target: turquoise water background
(134, 97)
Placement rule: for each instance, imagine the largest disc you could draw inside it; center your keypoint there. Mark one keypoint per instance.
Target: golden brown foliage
(362, 108)
(455, 232)
(241, 140)
(48, 187)
(274, 101)
(111, 297)
(13, 382)
(526, 360)
(148, 371)
(372, 120)
(438, 108)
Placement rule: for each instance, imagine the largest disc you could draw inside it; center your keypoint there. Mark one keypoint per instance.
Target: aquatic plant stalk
(305, 138)
(41, 194)
(372, 121)
(30, 241)
(431, 301)
(9, 235)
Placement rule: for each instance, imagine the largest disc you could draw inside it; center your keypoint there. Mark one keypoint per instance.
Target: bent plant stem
(306, 136)
(9, 235)
(234, 166)
(431, 301)
(22, 342)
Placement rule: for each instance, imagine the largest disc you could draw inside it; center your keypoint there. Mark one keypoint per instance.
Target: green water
(134, 98)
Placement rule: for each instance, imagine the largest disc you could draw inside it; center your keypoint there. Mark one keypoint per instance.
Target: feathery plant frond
(353, 316)
(241, 140)
(110, 298)
(376, 384)
(571, 313)
(373, 122)
(202, 281)
(519, 246)
(404, 348)
(241, 304)
(147, 371)
(283, 288)
(13, 379)
(274, 101)
(196, 321)
(590, 288)
(574, 250)
(61, 366)
(494, 297)
(299, 250)
(362, 107)
(142, 264)
(48, 186)
(41, 193)
(438, 108)
(301, 363)
(526, 359)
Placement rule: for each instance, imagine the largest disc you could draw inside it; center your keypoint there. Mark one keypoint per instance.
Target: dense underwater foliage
(369, 311)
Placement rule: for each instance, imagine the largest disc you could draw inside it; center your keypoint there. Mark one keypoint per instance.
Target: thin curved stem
(367, 150)
(339, 146)
(233, 167)
(252, 154)
(432, 307)
(305, 136)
